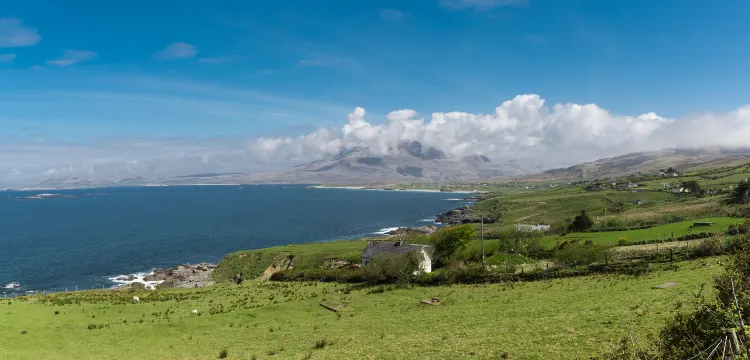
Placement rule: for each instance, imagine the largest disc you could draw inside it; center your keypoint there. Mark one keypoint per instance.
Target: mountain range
(413, 162)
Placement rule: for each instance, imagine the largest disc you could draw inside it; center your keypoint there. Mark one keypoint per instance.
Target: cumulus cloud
(524, 129)
(13, 33)
(480, 4)
(71, 57)
(178, 50)
(7, 58)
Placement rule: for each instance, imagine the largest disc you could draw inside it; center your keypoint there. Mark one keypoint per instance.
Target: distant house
(638, 202)
(526, 227)
(378, 248)
(631, 185)
(666, 184)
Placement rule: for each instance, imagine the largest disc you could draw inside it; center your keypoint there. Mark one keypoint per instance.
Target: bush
(712, 246)
(449, 241)
(623, 241)
(392, 269)
(223, 354)
(739, 229)
(572, 254)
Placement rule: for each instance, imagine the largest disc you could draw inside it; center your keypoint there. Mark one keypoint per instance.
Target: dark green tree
(741, 194)
(450, 241)
(581, 222)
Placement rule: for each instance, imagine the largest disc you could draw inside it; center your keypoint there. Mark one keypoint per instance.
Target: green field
(556, 319)
(657, 232)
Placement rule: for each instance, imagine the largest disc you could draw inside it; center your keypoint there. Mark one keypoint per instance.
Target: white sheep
(195, 312)
(136, 299)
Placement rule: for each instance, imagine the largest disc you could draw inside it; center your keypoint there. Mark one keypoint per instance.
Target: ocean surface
(91, 236)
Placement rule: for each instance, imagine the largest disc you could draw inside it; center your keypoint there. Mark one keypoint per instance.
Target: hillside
(650, 162)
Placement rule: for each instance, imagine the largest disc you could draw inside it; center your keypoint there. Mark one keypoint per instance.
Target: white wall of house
(426, 264)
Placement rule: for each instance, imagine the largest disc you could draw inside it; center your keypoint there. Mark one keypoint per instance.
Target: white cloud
(392, 14)
(13, 33)
(7, 58)
(524, 128)
(71, 57)
(178, 50)
(481, 4)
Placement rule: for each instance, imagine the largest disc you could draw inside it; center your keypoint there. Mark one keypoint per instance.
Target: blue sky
(83, 70)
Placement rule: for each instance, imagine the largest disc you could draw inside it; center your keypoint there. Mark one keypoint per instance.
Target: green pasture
(657, 232)
(570, 318)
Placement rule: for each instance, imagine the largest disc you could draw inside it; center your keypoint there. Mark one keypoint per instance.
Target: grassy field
(561, 319)
(676, 229)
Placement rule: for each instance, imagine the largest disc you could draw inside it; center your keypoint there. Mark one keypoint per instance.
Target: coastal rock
(421, 230)
(185, 275)
(462, 215)
(127, 278)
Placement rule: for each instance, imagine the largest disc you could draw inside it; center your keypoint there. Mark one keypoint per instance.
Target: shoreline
(472, 192)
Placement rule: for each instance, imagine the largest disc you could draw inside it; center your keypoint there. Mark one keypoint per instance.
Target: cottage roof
(375, 248)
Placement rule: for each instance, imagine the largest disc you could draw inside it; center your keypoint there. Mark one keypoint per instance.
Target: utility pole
(481, 220)
(605, 211)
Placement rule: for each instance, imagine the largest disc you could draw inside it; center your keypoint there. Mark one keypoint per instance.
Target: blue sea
(92, 235)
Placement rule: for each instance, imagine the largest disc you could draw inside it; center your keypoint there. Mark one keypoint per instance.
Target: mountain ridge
(413, 162)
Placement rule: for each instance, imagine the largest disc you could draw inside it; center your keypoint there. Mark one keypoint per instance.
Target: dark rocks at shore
(421, 230)
(462, 215)
(184, 275)
(127, 278)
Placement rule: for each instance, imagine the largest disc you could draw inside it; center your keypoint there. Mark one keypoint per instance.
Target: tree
(693, 186)
(450, 241)
(741, 194)
(581, 222)
(670, 170)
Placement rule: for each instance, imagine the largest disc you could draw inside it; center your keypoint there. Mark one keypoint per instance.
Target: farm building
(378, 248)
(525, 227)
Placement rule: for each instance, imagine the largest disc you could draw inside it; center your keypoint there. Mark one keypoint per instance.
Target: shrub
(449, 241)
(622, 241)
(392, 269)
(223, 354)
(709, 247)
(739, 229)
(574, 253)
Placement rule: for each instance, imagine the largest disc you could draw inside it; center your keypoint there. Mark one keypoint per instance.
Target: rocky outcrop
(421, 230)
(184, 276)
(462, 215)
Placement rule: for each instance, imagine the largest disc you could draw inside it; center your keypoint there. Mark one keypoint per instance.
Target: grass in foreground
(561, 319)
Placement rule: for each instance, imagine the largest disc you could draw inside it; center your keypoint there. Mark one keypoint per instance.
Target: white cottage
(377, 248)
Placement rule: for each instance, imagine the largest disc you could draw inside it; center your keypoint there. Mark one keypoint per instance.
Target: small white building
(632, 185)
(537, 227)
(378, 248)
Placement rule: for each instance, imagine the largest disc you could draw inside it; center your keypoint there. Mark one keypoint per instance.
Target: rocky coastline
(462, 215)
(180, 276)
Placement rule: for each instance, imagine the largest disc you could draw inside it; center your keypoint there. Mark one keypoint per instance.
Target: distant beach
(393, 189)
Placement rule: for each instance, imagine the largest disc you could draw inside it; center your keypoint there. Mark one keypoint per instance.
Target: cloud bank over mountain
(524, 128)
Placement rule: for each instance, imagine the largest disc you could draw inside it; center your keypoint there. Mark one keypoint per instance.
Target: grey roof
(375, 248)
